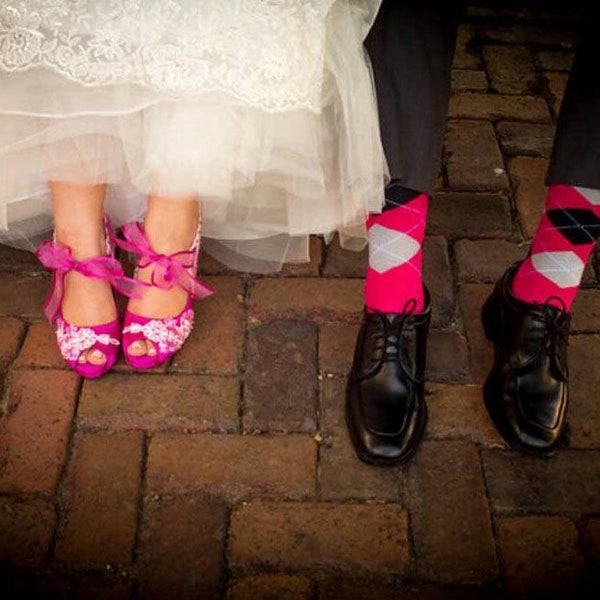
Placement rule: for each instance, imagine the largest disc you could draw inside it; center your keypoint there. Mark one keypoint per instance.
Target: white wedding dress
(263, 109)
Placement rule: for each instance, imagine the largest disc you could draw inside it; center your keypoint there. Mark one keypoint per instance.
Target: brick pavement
(229, 473)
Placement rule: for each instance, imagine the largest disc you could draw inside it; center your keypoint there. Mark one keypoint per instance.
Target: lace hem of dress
(269, 54)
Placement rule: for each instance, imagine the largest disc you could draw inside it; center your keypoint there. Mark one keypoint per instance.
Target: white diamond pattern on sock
(564, 269)
(389, 248)
(590, 194)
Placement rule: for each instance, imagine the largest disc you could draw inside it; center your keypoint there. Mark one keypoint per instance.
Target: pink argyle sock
(563, 242)
(394, 275)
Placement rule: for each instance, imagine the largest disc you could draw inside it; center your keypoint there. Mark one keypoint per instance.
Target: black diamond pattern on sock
(578, 225)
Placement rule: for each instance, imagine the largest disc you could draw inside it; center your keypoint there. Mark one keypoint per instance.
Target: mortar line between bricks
(60, 510)
(493, 525)
(242, 356)
(226, 574)
(143, 490)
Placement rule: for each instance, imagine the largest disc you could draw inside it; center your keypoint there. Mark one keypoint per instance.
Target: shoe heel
(490, 319)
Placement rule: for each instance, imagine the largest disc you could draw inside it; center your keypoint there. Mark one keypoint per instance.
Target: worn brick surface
(511, 69)
(527, 176)
(567, 483)
(342, 476)
(310, 299)
(554, 60)
(336, 347)
(590, 529)
(584, 380)
(469, 215)
(437, 277)
(524, 33)
(11, 334)
(34, 434)
(465, 80)
(473, 158)
(453, 538)
(270, 587)
(447, 357)
(481, 351)
(471, 105)
(458, 412)
(110, 587)
(23, 296)
(340, 262)
(540, 557)
(585, 311)
(25, 531)
(181, 548)
(464, 57)
(556, 86)
(280, 385)
(484, 261)
(13, 259)
(102, 493)
(332, 404)
(236, 465)
(295, 537)
(178, 402)
(215, 343)
(40, 348)
(525, 139)
(311, 268)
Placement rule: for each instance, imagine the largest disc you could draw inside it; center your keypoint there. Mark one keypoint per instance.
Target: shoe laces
(388, 338)
(556, 331)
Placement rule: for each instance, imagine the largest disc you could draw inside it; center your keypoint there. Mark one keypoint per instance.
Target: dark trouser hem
(411, 46)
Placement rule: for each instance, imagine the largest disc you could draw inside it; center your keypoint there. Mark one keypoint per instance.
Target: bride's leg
(170, 227)
(78, 223)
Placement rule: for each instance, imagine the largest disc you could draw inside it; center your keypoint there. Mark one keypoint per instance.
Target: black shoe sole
(386, 462)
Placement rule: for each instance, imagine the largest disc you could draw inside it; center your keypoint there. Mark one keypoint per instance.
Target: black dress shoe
(385, 407)
(526, 392)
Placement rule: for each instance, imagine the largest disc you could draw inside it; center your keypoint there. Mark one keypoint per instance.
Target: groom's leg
(411, 46)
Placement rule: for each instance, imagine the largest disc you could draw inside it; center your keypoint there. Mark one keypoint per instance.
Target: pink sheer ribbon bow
(168, 270)
(58, 258)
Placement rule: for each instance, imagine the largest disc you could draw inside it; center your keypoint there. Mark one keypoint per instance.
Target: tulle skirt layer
(267, 176)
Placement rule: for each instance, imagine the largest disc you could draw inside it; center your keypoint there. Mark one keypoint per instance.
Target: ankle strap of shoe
(168, 270)
(59, 258)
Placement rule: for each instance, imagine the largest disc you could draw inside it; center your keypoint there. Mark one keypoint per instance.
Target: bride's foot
(157, 324)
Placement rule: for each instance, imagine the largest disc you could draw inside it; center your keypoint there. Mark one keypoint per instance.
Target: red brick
(40, 348)
(307, 299)
(555, 60)
(299, 536)
(557, 82)
(447, 357)
(270, 587)
(336, 347)
(540, 557)
(158, 402)
(568, 483)
(16, 260)
(332, 404)
(464, 58)
(527, 139)
(468, 80)
(234, 465)
(102, 494)
(103, 588)
(437, 276)
(591, 542)
(280, 382)
(469, 215)
(215, 343)
(34, 434)
(469, 105)
(584, 381)
(25, 531)
(484, 261)
(472, 298)
(457, 411)
(182, 545)
(352, 589)
(473, 159)
(586, 311)
(510, 69)
(340, 262)
(23, 296)
(11, 334)
(450, 519)
(342, 476)
(527, 176)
